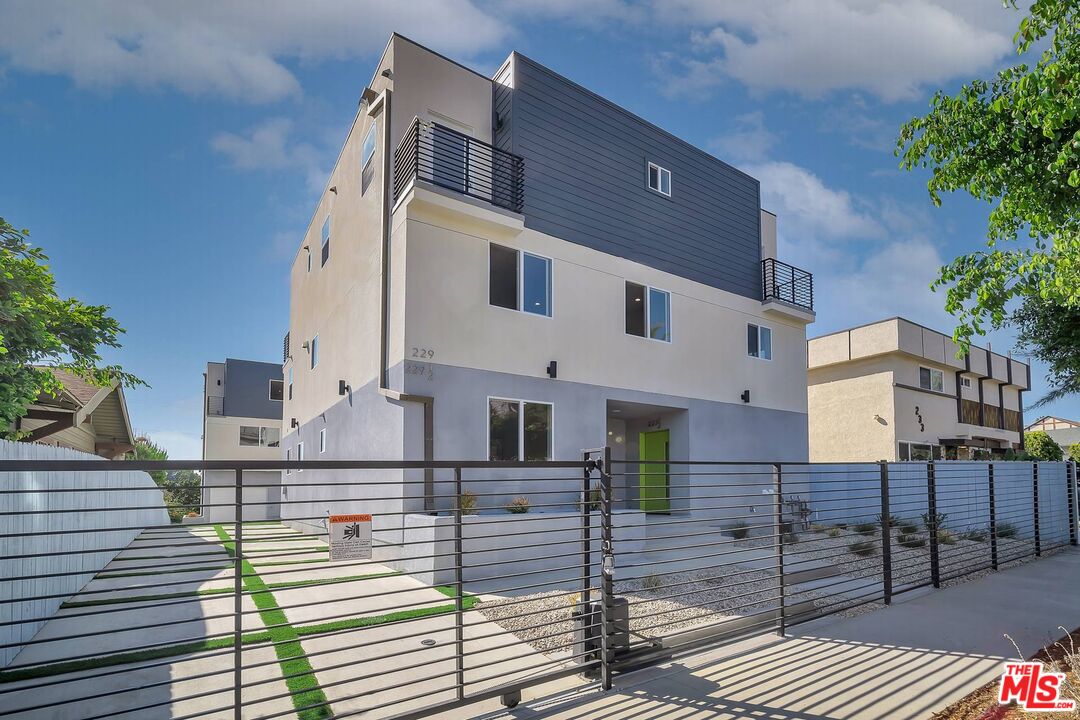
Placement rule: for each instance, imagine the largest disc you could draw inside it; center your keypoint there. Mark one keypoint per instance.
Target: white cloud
(883, 47)
(268, 146)
(803, 201)
(748, 141)
(236, 49)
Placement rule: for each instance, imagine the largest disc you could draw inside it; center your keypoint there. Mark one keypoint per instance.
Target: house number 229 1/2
(423, 353)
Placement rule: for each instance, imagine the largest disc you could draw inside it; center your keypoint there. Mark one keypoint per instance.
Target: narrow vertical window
(503, 280)
(636, 309)
(659, 315)
(290, 382)
(322, 441)
(288, 458)
(536, 285)
(503, 432)
(300, 454)
(648, 312)
(325, 241)
(367, 154)
(536, 433)
(314, 352)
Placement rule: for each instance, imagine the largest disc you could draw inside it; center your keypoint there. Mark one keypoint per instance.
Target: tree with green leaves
(38, 327)
(1040, 446)
(1051, 333)
(1074, 452)
(1013, 141)
(147, 449)
(182, 488)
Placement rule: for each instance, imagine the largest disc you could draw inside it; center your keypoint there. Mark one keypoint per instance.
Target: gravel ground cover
(668, 603)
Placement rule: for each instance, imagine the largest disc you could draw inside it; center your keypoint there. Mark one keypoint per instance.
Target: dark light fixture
(553, 369)
(342, 387)
(745, 396)
(333, 189)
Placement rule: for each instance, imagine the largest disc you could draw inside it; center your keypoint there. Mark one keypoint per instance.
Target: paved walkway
(906, 661)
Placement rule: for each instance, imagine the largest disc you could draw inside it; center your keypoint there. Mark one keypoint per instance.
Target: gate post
(238, 593)
(607, 571)
(1035, 506)
(993, 518)
(886, 535)
(1070, 482)
(778, 505)
(459, 587)
(932, 525)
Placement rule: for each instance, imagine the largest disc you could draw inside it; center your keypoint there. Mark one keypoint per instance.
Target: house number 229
(423, 353)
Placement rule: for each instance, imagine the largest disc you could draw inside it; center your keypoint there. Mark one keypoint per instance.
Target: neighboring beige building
(895, 390)
(85, 417)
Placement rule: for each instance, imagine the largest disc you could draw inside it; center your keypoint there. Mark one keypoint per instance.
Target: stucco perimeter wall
(87, 513)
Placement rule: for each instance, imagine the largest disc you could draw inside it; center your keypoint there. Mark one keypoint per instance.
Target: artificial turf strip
(291, 562)
(299, 675)
(216, 591)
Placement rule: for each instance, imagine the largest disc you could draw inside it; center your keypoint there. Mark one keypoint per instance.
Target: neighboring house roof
(101, 410)
(1055, 420)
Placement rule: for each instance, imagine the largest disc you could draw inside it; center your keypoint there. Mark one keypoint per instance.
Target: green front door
(653, 454)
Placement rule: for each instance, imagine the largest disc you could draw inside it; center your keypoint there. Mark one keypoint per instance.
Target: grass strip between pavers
(291, 562)
(299, 675)
(218, 591)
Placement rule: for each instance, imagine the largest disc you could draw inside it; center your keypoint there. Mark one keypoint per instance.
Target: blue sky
(167, 156)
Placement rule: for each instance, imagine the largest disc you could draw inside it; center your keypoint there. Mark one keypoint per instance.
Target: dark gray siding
(586, 182)
(247, 389)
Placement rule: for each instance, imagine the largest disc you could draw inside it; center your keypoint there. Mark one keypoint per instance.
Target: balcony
(215, 405)
(444, 157)
(786, 284)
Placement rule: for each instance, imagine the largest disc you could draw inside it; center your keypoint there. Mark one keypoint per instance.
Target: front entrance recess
(654, 456)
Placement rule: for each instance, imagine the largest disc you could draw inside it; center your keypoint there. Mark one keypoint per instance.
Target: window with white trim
(325, 240)
(965, 381)
(314, 352)
(367, 154)
(931, 379)
(300, 454)
(648, 312)
(518, 280)
(290, 382)
(322, 441)
(255, 436)
(759, 341)
(659, 179)
(288, 458)
(920, 452)
(519, 430)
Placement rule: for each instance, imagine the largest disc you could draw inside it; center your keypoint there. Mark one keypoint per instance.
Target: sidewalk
(905, 661)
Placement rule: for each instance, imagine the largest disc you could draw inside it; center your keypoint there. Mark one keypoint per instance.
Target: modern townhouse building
(241, 421)
(514, 268)
(895, 390)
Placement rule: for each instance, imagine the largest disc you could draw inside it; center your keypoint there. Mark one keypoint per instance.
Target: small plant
(192, 514)
(975, 535)
(865, 528)
(594, 498)
(911, 541)
(840, 526)
(834, 532)
(1006, 530)
(740, 531)
(651, 582)
(909, 527)
(863, 548)
(817, 528)
(938, 521)
(946, 538)
(891, 521)
(467, 502)
(518, 505)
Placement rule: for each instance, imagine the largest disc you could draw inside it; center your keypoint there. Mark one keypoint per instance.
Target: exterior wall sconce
(333, 189)
(293, 423)
(342, 387)
(553, 369)
(745, 396)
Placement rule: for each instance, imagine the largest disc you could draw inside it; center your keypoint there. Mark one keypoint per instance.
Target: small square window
(759, 341)
(931, 379)
(966, 382)
(519, 280)
(648, 312)
(659, 179)
(322, 441)
(277, 390)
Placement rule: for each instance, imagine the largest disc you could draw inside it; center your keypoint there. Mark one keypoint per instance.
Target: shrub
(467, 502)
(863, 548)
(866, 528)
(594, 497)
(834, 532)
(789, 538)
(841, 526)
(975, 535)
(937, 521)
(1041, 446)
(909, 527)
(1074, 452)
(1006, 530)
(651, 582)
(946, 538)
(818, 528)
(518, 505)
(891, 521)
(740, 531)
(911, 541)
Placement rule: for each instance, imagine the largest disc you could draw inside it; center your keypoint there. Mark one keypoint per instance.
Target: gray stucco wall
(586, 182)
(247, 389)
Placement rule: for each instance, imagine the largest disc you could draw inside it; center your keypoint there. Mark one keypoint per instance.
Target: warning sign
(350, 537)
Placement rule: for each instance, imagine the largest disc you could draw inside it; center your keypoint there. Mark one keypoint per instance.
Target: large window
(325, 241)
(519, 280)
(277, 388)
(367, 167)
(920, 452)
(519, 430)
(758, 341)
(930, 379)
(659, 179)
(648, 312)
(255, 436)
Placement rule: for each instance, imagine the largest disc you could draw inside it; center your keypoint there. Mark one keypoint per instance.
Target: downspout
(426, 401)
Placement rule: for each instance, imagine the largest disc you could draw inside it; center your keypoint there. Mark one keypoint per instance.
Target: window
(277, 390)
(648, 310)
(308, 259)
(519, 430)
(966, 382)
(920, 452)
(288, 458)
(322, 441)
(758, 341)
(255, 436)
(300, 454)
(659, 179)
(930, 379)
(290, 382)
(325, 241)
(519, 280)
(314, 352)
(367, 167)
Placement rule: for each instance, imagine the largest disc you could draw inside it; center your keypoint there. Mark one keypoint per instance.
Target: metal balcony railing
(787, 283)
(441, 156)
(285, 349)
